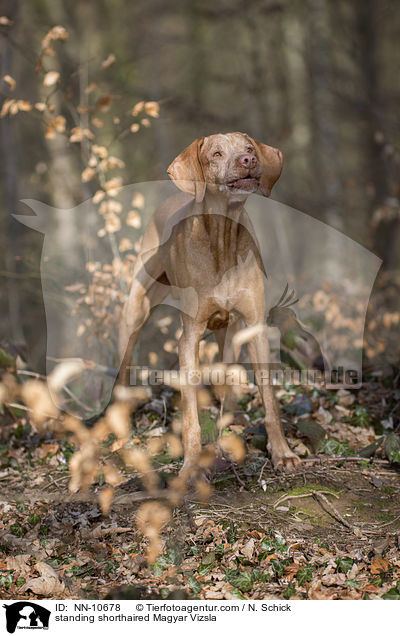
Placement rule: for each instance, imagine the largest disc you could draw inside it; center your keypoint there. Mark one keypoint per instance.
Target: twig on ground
(54, 481)
(331, 510)
(262, 470)
(76, 399)
(241, 482)
(306, 494)
(96, 533)
(350, 458)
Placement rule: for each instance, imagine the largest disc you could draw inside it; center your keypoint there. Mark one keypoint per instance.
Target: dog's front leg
(189, 367)
(282, 457)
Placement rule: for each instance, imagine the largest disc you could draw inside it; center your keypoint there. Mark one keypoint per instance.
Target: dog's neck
(220, 216)
(223, 204)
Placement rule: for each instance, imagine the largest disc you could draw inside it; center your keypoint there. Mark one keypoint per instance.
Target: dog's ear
(186, 171)
(271, 160)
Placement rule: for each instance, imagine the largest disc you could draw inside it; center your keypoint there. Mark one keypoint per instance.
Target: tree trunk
(11, 301)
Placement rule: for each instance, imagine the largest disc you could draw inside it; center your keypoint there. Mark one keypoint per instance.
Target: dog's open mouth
(247, 184)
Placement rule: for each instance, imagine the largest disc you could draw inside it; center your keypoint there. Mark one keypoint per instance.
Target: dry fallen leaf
(88, 174)
(379, 565)
(57, 32)
(323, 416)
(152, 109)
(139, 461)
(203, 489)
(100, 151)
(125, 244)
(108, 61)
(106, 497)
(225, 420)
(112, 476)
(233, 446)
(333, 579)
(37, 397)
(63, 372)
(291, 570)
(6, 108)
(13, 106)
(133, 219)
(47, 584)
(84, 467)
(113, 186)
(19, 563)
(138, 200)
(10, 81)
(112, 223)
(118, 419)
(77, 134)
(246, 335)
(137, 108)
(97, 122)
(151, 518)
(248, 549)
(51, 78)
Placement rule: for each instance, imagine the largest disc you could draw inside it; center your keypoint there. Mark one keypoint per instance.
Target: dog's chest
(231, 287)
(220, 262)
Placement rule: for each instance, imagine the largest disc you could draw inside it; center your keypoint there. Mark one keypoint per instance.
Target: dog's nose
(247, 161)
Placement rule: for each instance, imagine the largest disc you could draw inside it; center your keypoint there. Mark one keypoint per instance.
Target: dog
(199, 246)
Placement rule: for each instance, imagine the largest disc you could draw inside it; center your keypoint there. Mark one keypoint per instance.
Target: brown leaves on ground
(379, 566)
(234, 546)
(47, 584)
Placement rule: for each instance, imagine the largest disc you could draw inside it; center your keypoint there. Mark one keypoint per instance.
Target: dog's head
(233, 164)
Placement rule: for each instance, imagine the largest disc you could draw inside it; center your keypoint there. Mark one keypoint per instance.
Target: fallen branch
(306, 494)
(350, 458)
(331, 510)
(98, 532)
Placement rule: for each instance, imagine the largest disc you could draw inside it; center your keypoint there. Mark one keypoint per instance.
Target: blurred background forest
(316, 78)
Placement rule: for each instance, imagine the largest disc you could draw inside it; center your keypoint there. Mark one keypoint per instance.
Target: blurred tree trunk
(384, 240)
(198, 67)
(256, 78)
(10, 194)
(366, 14)
(325, 147)
(297, 116)
(64, 185)
(62, 171)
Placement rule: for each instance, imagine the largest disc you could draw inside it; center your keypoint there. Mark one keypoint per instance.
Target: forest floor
(330, 531)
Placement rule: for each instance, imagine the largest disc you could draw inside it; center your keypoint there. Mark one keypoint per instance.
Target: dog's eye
(217, 153)
(250, 149)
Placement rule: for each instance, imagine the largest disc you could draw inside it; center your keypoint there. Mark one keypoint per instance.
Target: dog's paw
(287, 462)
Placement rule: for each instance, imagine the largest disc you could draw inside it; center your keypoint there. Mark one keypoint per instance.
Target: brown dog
(197, 247)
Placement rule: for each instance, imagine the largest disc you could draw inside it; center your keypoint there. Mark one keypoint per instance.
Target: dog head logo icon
(26, 615)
